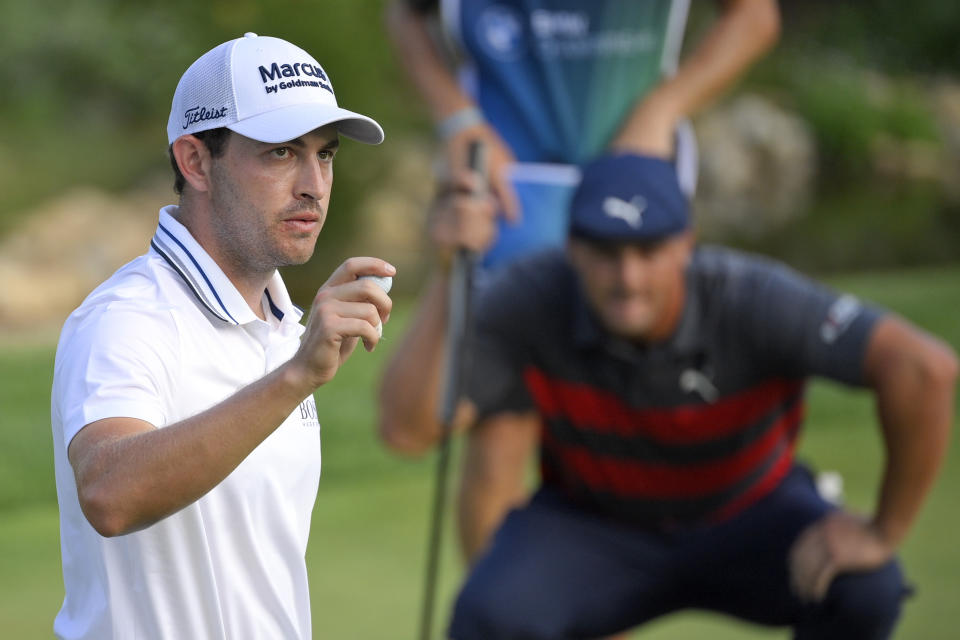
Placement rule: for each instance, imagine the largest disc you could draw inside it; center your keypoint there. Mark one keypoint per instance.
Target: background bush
(87, 88)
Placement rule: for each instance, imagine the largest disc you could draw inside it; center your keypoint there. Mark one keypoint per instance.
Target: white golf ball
(830, 486)
(384, 282)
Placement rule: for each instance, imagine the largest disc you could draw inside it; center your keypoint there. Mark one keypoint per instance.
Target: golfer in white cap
(186, 435)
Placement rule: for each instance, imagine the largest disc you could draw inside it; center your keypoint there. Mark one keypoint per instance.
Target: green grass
(26, 460)
(367, 549)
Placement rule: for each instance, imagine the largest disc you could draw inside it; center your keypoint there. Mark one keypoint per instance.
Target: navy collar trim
(207, 282)
(199, 269)
(172, 261)
(274, 309)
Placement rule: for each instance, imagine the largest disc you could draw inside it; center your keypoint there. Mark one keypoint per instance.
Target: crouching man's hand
(838, 543)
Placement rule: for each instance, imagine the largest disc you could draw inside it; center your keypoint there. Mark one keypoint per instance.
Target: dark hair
(216, 142)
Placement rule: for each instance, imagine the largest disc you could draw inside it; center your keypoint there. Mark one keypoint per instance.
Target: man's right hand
(463, 217)
(346, 309)
(499, 160)
(119, 462)
(837, 543)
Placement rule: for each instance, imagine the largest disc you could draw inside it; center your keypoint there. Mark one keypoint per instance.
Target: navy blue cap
(627, 197)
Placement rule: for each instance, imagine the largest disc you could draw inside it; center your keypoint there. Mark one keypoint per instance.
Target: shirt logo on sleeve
(308, 413)
(840, 316)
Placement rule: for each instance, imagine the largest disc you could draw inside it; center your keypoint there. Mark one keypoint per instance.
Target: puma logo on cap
(630, 212)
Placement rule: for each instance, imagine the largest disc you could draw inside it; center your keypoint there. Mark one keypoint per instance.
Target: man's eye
(326, 154)
(281, 152)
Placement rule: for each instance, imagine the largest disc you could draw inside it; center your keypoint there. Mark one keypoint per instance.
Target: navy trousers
(554, 572)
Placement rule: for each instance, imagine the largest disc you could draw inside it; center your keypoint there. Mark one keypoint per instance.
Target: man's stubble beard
(245, 240)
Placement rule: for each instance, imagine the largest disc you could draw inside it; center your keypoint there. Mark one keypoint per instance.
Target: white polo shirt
(166, 337)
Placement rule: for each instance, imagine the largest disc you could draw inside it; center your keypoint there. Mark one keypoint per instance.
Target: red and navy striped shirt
(691, 430)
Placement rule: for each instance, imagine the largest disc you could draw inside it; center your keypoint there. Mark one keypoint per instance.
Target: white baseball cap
(263, 88)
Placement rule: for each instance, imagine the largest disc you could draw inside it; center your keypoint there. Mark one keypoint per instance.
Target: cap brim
(287, 123)
(620, 236)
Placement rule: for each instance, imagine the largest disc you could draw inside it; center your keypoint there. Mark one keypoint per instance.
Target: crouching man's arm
(412, 382)
(913, 376)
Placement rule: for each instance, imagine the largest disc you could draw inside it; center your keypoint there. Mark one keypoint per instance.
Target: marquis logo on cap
(199, 114)
(277, 71)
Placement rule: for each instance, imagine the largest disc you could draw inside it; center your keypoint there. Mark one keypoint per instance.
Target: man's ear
(194, 160)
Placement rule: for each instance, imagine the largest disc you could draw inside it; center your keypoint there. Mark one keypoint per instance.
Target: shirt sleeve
(503, 314)
(799, 327)
(118, 362)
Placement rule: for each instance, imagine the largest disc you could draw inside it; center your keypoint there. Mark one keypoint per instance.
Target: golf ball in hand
(384, 282)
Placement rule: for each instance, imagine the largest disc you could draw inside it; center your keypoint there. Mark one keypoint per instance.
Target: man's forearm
(422, 62)
(131, 475)
(746, 30)
(493, 468)
(915, 396)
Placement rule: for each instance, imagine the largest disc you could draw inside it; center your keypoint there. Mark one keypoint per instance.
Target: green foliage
(848, 109)
(113, 63)
(859, 217)
(88, 87)
(874, 224)
(902, 37)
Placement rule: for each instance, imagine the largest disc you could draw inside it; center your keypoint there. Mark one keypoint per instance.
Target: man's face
(636, 290)
(269, 201)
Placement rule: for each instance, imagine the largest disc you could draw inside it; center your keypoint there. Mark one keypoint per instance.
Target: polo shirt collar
(204, 277)
(588, 332)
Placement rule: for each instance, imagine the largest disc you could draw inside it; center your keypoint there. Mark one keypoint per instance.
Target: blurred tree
(892, 35)
(87, 85)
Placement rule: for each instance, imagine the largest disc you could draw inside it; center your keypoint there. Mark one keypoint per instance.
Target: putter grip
(458, 329)
(477, 158)
(458, 310)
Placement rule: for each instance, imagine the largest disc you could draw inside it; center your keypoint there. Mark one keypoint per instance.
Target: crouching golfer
(668, 384)
(186, 436)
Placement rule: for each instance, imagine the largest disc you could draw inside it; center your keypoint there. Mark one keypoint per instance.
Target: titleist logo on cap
(199, 114)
